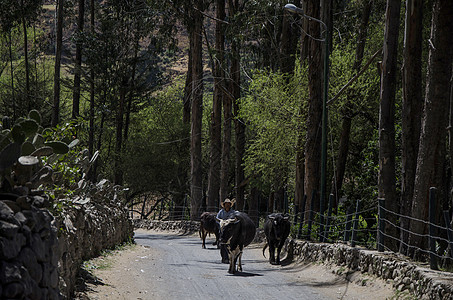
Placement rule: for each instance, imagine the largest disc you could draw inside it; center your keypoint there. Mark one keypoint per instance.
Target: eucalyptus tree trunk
(118, 172)
(432, 148)
(412, 109)
(387, 150)
(314, 117)
(197, 113)
(92, 102)
(216, 118)
(347, 111)
(12, 75)
(59, 45)
(78, 62)
(289, 40)
(27, 67)
(187, 101)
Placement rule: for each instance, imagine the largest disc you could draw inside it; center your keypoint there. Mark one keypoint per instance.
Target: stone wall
(84, 231)
(420, 281)
(28, 250)
(40, 254)
(415, 278)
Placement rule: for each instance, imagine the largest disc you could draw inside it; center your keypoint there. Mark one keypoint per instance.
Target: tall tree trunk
(289, 41)
(59, 45)
(78, 62)
(235, 89)
(197, 113)
(189, 79)
(131, 93)
(239, 125)
(386, 178)
(27, 67)
(12, 75)
(412, 110)
(216, 119)
(314, 117)
(92, 101)
(343, 148)
(119, 133)
(226, 147)
(432, 149)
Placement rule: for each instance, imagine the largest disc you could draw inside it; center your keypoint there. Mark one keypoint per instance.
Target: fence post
(184, 207)
(161, 207)
(347, 231)
(302, 216)
(329, 214)
(432, 216)
(449, 230)
(296, 214)
(381, 225)
(356, 224)
(285, 201)
(310, 214)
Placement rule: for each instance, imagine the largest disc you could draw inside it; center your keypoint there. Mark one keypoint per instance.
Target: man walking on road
(224, 214)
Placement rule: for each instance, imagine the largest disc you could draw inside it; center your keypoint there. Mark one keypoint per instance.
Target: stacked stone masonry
(41, 254)
(421, 282)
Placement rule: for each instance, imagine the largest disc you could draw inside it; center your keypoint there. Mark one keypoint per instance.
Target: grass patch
(105, 260)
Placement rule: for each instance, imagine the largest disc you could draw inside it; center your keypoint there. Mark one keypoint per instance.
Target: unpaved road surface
(171, 266)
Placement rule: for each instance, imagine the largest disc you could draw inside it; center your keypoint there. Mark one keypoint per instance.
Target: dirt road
(170, 266)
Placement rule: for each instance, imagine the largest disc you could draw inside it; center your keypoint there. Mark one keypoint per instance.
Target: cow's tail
(264, 249)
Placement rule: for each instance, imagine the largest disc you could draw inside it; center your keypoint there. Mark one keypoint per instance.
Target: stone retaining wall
(40, 254)
(405, 276)
(84, 231)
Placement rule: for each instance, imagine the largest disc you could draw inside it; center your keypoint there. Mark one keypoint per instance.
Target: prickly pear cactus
(22, 147)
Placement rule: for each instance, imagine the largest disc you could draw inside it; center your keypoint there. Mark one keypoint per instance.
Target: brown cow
(208, 224)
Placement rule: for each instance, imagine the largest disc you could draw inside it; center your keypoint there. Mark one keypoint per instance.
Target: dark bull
(208, 224)
(276, 229)
(236, 232)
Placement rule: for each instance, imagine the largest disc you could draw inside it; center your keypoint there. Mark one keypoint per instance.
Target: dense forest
(197, 100)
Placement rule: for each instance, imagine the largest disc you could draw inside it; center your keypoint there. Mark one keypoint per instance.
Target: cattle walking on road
(236, 232)
(208, 225)
(276, 229)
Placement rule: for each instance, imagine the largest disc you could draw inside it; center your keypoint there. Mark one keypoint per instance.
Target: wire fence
(376, 228)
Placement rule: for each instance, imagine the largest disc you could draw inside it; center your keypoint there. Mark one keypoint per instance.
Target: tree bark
(189, 78)
(78, 62)
(216, 119)
(343, 148)
(92, 175)
(412, 110)
(59, 45)
(432, 148)
(119, 133)
(197, 114)
(386, 178)
(27, 67)
(289, 41)
(314, 117)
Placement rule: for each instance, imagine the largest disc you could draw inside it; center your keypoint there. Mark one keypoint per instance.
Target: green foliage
(157, 156)
(272, 110)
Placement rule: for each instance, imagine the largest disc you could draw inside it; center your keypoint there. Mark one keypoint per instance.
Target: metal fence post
(302, 216)
(285, 201)
(381, 225)
(356, 224)
(432, 219)
(449, 230)
(161, 207)
(347, 231)
(310, 214)
(296, 214)
(329, 214)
